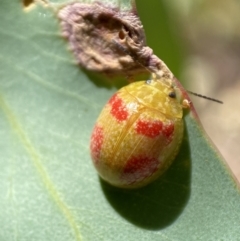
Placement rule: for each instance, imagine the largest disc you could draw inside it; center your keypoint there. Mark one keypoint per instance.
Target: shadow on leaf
(110, 82)
(159, 204)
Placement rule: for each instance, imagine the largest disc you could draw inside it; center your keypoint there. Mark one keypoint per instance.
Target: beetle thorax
(155, 95)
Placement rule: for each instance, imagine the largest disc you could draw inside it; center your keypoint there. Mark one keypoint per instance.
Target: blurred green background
(200, 42)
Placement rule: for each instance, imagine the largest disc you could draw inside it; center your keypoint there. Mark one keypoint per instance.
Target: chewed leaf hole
(121, 35)
(27, 3)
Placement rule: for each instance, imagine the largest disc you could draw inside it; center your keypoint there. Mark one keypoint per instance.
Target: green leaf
(49, 188)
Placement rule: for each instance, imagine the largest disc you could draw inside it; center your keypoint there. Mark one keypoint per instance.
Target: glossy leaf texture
(49, 188)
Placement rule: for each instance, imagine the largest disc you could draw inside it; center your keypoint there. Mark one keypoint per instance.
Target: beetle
(138, 133)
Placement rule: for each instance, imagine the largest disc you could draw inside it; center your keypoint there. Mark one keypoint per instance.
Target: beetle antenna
(205, 97)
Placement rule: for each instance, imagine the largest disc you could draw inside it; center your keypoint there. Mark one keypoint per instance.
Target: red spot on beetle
(138, 168)
(168, 132)
(118, 108)
(150, 129)
(96, 143)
